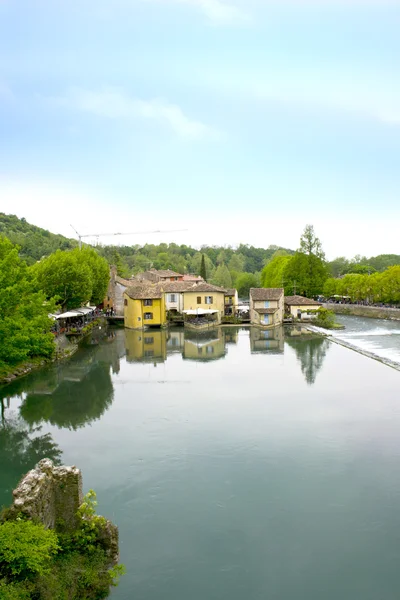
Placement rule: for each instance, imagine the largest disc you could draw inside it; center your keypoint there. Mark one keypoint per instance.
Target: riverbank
(371, 312)
(64, 350)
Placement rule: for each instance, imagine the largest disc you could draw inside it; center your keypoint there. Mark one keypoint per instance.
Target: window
(176, 278)
(149, 352)
(148, 316)
(200, 350)
(149, 340)
(198, 299)
(126, 302)
(172, 297)
(148, 302)
(210, 349)
(266, 304)
(208, 299)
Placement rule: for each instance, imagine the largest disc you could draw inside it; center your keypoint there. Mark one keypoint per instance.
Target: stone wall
(374, 312)
(51, 495)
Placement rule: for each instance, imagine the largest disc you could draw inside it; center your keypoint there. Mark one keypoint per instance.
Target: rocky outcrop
(51, 495)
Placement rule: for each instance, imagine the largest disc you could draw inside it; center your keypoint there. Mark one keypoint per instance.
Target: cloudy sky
(236, 120)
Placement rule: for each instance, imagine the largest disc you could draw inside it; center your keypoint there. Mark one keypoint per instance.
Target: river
(236, 463)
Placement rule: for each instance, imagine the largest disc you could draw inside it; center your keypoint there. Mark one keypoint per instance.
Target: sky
(215, 121)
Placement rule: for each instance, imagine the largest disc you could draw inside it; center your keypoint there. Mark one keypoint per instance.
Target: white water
(379, 337)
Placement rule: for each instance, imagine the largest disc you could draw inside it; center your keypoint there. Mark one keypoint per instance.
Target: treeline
(362, 265)
(375, 288)
(34, 242)
(225, 266)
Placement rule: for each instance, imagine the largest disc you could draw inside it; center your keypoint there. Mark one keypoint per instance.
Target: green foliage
(74, 277)
(24, 321)
(375, 288)
(26, 549)
(273, 274)
(21, 590)
(305, 275)
(325, 318)
(244, 282)
(222, 277)
(362, 265)
(310, 244)
(86, 537)
(34, 242)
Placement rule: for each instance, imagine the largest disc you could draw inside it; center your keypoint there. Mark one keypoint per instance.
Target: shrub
(26, 549)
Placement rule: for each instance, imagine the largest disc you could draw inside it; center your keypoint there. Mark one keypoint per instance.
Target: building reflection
(267, 341)
(204, 345)
(148, 346)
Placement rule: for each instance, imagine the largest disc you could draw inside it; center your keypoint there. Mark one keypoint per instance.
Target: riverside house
(115, 292)
(266, 306)
(204, 300)
(299, 306)
(144, 306)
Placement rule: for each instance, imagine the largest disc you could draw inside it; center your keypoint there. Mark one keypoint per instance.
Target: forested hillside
(34, 242)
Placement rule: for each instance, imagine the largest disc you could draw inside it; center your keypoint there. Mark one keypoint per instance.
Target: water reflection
(74, 393)
(267, 341)
(21, 447)
(204, 345)
(310, 351)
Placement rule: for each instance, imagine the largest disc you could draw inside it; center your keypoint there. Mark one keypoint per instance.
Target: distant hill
(35, 242)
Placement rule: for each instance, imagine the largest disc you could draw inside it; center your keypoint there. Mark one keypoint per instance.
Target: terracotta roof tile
(144, 290)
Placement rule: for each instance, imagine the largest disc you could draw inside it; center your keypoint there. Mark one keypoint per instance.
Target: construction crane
(97, 235)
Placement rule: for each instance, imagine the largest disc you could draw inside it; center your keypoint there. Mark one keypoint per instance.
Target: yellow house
(231, 302)
(144, 306)
(205, 299)
(266, 306)
(146, 346)
(267, 341)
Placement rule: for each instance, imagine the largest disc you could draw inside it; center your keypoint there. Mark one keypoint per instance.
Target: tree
(307, 272)
(305, 275)
(24, 321)
(203, 271)
(272, 275)
(222, 277)
(310, 244)
(244, 282)
(75, 277)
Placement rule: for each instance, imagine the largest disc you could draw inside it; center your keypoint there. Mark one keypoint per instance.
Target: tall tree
(310, 244)
(203, 271)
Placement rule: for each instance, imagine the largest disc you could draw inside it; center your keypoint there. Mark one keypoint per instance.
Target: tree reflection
(80, 398)
(21, 447)
(310, 352)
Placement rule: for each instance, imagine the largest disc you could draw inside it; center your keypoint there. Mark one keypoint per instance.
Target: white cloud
(217, 11)
(114, 104)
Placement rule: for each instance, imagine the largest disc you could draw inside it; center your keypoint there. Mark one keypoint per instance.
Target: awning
(201, 311)
(69, 314)
(76, 312)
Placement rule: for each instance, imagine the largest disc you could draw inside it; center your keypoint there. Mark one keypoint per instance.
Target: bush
(26, 549)
(325, 318)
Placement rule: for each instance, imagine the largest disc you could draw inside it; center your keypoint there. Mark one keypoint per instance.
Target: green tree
(222, 277)
(244, 282)
(203, 270)
(24, 321)
(305, 275)
(310, 244)
(272, 275)
(75, 277)
(100, 273)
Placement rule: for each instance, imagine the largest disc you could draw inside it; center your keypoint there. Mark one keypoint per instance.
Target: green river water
(236, 465)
